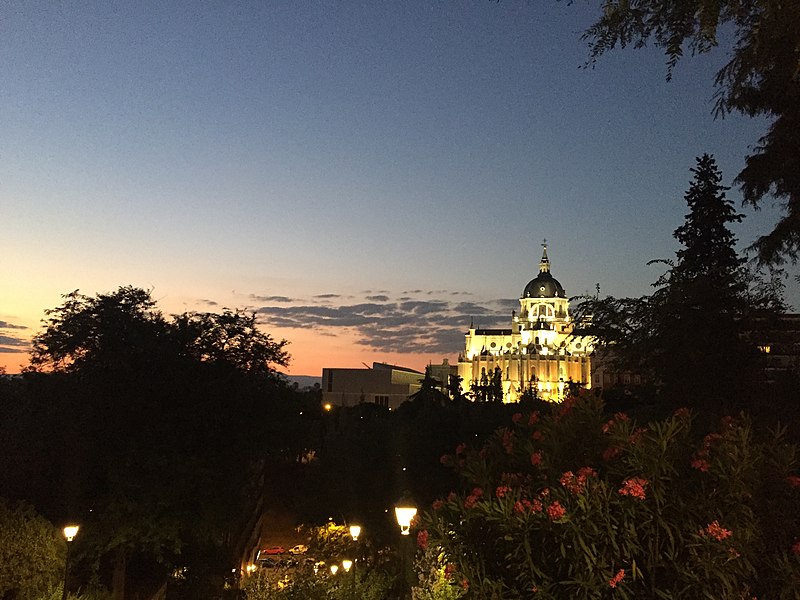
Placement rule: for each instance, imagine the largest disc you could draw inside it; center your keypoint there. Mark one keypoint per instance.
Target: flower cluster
(700, 459)
(614, 581)
(422, 539)
(536, 459)
(501, 491)
(524, 505)
(473, 498)
(577, 483)
(634, 487)
(555, 511)
(716, 531)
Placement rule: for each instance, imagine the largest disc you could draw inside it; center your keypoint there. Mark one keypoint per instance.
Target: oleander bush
(572, 504)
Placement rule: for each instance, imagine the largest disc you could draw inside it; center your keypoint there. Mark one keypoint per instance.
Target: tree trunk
(118, 578)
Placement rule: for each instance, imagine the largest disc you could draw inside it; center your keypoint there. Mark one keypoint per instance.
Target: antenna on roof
(365, 364)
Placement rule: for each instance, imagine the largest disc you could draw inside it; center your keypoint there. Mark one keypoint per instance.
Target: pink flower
(634, 487)
(793, 480)
(614, 581)
(444, 459)
(451, 496)
(472, 499)
(796, 547)
(520, 506)
(537, 435)
(501, 491)
(576, 483)
(681, 413)
(437, 504)
(516, 418)
(621, 416)
(716, 531)
(536, 459)
(701, 465)
(611, 453)
(422, 539)
(461, 448)
(555, 511)
(536, 506)
(449, 569)
(534, 418)
(465, 584)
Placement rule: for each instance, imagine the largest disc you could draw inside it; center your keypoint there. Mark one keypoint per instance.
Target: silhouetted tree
(688, 335)
(760, 79)
(429, 390)
(163, 420)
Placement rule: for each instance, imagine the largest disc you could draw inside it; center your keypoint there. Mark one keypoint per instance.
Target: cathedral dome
(544, 285)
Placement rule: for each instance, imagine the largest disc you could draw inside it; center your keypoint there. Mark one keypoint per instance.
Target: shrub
(575, 505)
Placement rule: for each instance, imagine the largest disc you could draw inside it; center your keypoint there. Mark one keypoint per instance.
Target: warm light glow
(355, 531)
(70, 531)
(404, 516)
(334, 569)
(250, 568)
(327, 406)
(346, 564)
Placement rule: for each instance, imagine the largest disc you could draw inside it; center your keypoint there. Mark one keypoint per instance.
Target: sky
(368, 177)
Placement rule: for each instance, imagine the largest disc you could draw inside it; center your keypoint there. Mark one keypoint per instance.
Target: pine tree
(698, 308)
(688, 336)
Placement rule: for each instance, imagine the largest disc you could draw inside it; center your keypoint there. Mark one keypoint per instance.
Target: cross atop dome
(544, 264)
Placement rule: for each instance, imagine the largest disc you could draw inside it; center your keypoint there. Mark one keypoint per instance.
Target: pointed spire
(544, 264)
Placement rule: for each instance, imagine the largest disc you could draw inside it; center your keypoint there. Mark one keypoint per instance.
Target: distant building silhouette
(383, 384)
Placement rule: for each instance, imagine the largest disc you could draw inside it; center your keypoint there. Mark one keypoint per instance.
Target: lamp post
(405, 510)
(70, 531)
(347, 564)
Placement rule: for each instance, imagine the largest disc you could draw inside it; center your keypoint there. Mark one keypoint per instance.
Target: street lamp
(355, 531)
(346, 564)
(405, 511)
(334, 569)
(70, 531)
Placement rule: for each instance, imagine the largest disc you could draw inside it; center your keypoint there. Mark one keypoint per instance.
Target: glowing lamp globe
(70, 531)
(404, 516)
(346, 564)
(355, 531)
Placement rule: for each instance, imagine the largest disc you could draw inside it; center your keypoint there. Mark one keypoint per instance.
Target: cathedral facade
(538, 351)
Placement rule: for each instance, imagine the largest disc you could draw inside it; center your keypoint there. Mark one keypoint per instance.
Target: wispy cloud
(413, 321)
(10, 342)
(282, 299)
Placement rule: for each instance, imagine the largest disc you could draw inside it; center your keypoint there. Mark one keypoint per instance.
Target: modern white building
(538, 349)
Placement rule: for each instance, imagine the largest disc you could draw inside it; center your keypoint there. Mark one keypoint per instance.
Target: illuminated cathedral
(538, 351)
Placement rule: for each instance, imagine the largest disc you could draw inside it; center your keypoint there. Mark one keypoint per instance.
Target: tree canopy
(762, 77)
(688, 335)
(153, 426)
